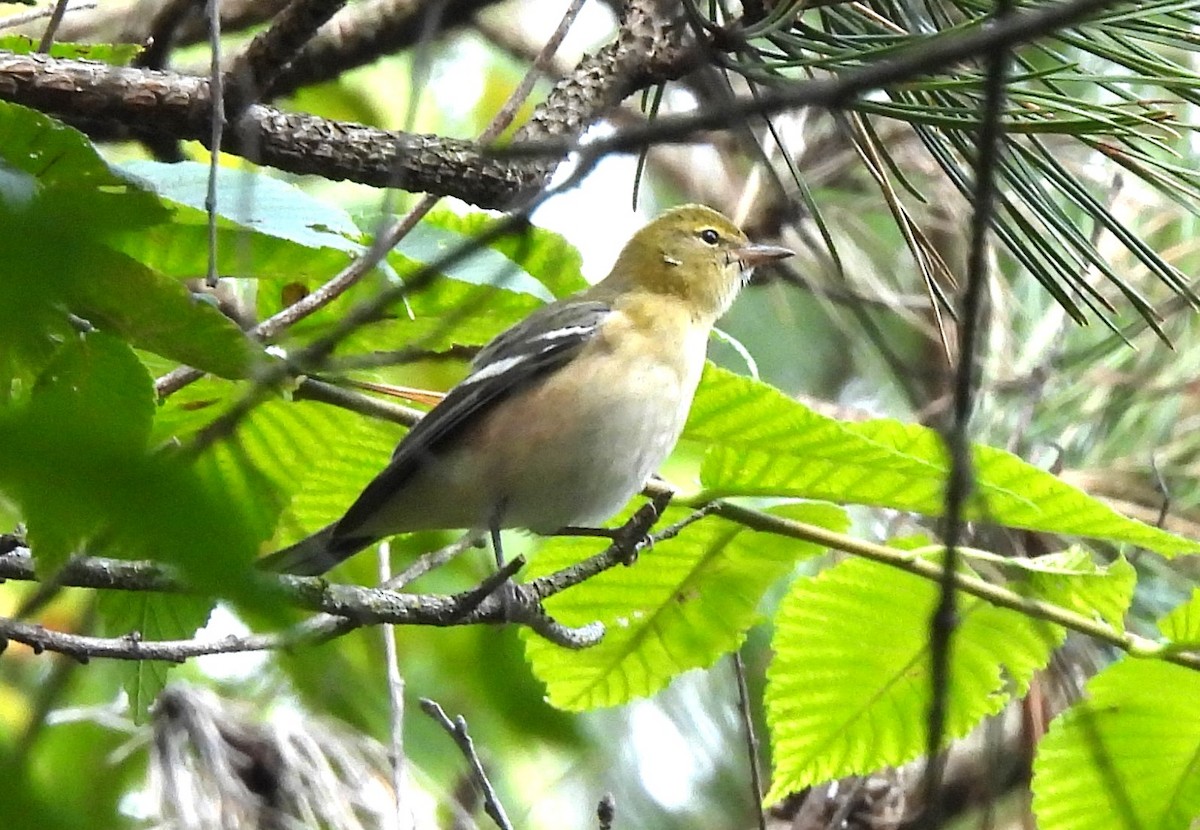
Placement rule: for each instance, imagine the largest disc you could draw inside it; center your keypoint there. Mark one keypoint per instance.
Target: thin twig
(833, 93)
(431, 560)
(959, 480)
(311, 389)
(541, 63)
(352, 606)
(457, 729)
(56, 18)
(756, 789)
(37, 14)
(395, 682)
(272, 135)
(217, 127)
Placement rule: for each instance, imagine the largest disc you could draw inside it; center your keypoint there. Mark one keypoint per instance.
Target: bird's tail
(315, 554)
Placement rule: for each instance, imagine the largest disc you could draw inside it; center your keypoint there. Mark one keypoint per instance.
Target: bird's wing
(541, 343)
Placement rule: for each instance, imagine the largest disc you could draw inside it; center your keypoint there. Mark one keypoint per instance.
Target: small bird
(566, 415)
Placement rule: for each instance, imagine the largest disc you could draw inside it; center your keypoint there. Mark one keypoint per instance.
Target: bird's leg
(632, 536)
(507, 590)
(497, 547)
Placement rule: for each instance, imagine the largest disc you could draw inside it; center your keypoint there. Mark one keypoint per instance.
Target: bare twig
(832, 93)
(364, 606)
(756, 789)
(457, 729)
(541, 63)
(361, 33)
(395, 682)
(56, 18)
(311, 389)
(959, 480)
(176, 105)
(217, 128)
(37, 14)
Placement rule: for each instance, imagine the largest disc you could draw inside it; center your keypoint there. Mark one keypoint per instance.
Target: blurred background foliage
(1089, 369)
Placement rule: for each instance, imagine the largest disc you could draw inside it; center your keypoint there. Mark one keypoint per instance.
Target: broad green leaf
(1182, 625)
(157, 314)
(117, 54)
(1128, 756)
(63, 208)
(759, 442)
(253, 201)
(548, 266)
(849, 689)
(96, 393)
(98, 382)
(427, 243)
(336, 454)
(267, 229)
(687, 601)
(52, 176)
(310, 458)
(1073, 579)
(149, 616)
(73, 460)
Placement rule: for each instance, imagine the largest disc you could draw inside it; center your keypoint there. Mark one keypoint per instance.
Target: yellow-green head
(694, 253)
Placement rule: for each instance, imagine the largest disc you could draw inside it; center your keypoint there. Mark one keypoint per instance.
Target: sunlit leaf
(758, 442)
(687, 601)
(849, 689)
(1125, 757)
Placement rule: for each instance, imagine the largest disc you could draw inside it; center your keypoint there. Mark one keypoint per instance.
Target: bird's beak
(752, 256)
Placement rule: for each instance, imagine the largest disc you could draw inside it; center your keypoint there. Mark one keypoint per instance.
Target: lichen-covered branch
(177, 106)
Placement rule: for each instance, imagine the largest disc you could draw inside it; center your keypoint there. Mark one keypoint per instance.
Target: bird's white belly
(588, 467)
(569, 454)
(626, 445)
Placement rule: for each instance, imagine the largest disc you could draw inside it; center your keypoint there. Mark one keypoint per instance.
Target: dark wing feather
(541, 343)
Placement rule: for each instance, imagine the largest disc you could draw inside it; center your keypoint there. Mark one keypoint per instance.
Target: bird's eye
(710, 236)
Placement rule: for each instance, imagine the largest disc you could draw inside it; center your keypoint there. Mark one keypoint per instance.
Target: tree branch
(367, 606)
(264, 58)
(177, 106)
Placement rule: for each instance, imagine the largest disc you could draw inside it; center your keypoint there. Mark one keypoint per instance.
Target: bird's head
(695, 253)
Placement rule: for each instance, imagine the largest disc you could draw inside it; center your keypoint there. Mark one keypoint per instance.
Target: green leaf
(254, 201)
(63, 209)
(73, 460)
(117, 54)
(351, 451)
(98, 382)
(849, 689)
(149, 616)
(687, 601)
(1073, 580)
(1126, 757)
(548, 266)
(51, 175)
(1182, 625)
(267, 230)
(758, 442)
(95, 393)
(156, 313)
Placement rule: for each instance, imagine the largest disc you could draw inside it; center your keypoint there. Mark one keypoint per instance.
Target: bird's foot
(630, 538)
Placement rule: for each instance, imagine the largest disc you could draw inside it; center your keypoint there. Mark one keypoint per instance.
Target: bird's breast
(589, 440)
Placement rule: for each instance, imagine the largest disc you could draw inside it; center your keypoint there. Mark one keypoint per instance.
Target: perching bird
(566, 415)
